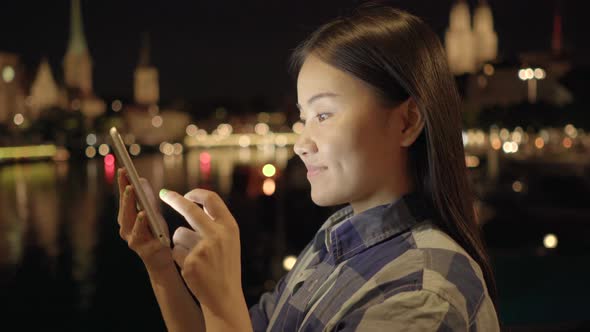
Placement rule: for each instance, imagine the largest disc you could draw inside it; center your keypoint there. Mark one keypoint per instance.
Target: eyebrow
(318, 96)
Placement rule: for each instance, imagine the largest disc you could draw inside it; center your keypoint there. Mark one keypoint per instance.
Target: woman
(382, 133)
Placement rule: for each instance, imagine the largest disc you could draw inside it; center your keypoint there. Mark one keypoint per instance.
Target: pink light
(109, 159)
(205, 158)
(109, 168)
(205, 169)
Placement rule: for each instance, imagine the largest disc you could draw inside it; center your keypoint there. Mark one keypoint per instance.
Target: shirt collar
(347, 235)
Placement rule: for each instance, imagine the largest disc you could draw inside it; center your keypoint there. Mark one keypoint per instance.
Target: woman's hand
(134, 228)
(209, 254)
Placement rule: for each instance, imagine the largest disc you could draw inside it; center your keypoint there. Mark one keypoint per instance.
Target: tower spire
(77, 42)
(77, 61)
(144, 55)
(486, 39)
(44, 91)
(459, 40)
(146, 89)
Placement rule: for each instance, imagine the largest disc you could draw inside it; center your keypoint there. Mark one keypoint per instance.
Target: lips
(314, 170)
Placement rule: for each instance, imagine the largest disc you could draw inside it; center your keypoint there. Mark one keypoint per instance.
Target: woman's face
(351, 144)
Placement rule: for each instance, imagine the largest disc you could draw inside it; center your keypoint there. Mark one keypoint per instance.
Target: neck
(388, 189)
(388, 194)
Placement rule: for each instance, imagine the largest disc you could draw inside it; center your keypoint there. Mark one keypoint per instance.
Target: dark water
(65, 268)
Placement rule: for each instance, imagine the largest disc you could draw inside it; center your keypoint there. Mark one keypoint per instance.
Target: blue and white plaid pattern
(386, 269)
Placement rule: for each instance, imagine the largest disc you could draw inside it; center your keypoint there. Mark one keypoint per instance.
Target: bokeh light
(157, 121)
(268, 187)
(18, 119)
(90, 152)
(269, 170)
(103, 149)
(289, 262)
(91, 139)
(550, 241)
(134, 149)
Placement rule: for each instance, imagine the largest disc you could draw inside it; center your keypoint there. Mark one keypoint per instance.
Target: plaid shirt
(386, 269)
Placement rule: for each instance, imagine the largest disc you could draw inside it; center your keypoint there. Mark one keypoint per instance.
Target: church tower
(459, 41)
(146, 89)
(77, 62)
(78, 70)
(486, 40)
(44, 91)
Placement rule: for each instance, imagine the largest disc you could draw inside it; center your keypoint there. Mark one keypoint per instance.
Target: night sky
(207, 49)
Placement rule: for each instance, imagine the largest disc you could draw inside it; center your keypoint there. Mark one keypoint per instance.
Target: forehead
(317, 76)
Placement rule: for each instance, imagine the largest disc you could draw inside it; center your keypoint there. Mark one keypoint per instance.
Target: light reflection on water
(38, 199)
(59, 242)
(58, 229)
(29, 206)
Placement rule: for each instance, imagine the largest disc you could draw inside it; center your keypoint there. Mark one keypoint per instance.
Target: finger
(122, 182)
(185, 237)
(141, 231)
(129, 213)
(193, 214)
(215, 206)
(179, 254)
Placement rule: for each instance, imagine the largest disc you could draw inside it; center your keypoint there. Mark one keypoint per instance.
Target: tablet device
(123, 159)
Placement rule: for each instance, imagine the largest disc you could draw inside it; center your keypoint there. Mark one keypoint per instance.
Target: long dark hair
(399, 56)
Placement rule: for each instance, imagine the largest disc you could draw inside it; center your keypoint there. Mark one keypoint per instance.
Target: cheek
(368, 151)
(346, 156)
(352, 147)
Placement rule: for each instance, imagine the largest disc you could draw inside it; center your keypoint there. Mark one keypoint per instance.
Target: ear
(412, 121)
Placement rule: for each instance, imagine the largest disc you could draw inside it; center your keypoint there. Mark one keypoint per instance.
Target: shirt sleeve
(261, 312)
(407, 311)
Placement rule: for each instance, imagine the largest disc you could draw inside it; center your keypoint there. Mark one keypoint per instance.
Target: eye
(323, 116)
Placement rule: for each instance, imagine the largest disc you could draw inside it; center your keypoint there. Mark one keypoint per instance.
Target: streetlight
(531, 76)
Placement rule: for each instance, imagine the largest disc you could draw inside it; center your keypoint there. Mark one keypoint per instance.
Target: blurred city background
(202, 95)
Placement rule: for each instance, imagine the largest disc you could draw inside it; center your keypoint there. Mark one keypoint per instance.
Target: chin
(325, 198)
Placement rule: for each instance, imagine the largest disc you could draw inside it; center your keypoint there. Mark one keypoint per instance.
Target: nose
(304, 145)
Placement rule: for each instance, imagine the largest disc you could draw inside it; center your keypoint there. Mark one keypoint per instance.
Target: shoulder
(437, 276)
(417, 310)
(453, 275)
(448, 270)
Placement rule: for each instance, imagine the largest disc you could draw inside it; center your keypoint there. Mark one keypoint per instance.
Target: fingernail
(140, 217)
(127, 190)
(163, 193)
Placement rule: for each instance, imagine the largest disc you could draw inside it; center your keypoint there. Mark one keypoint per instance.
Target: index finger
(210, 201)
(122, 180)
(193, 214)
